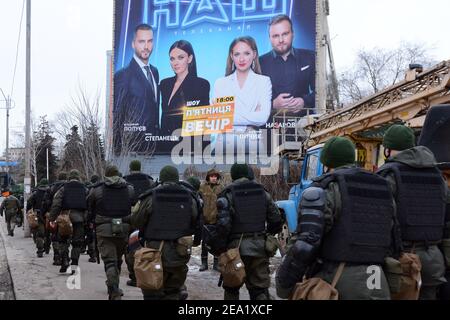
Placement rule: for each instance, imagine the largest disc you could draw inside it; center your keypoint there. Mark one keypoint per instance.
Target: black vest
(140, 182)
(171, 216)
(362, 232)
(74, 196)
(250, 207)
(39, 199)
(420, 201)
(115, 202)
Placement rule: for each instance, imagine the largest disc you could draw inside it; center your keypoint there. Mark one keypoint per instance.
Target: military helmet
(135, 165)
(169, 174)
(111, 171)
(95, 178)
(399, 137)
(62, 176)
(338, 152)
(74, 175)
(239, 171)
(195, 182)
(213, 172)
(43, 182)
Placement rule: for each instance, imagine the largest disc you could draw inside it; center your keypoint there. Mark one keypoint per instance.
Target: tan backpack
(148, 268)
(65, 227)
(403, 276)
(232, 268)
(317, 289)
(32, 219)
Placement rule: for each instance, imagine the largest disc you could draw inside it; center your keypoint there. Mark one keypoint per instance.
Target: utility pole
(27, 182)
(8, 107)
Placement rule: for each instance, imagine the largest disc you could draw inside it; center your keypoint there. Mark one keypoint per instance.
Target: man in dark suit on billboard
(136, 94)
(291, 70)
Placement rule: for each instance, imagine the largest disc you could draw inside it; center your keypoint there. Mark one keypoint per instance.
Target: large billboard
(210, 73)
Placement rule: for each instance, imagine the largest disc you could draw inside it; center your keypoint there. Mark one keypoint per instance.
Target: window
(311, 169)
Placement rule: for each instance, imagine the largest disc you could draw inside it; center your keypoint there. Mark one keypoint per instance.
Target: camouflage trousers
(174, 279)
(10, 223)
(77, 241)
(38, 237)
(111, 252)
(257, 280)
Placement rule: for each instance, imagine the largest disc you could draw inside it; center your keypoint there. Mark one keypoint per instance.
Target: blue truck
(312, 167)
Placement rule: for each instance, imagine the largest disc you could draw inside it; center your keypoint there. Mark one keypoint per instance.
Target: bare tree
(128, 139)
(378, 68)
(88, 153)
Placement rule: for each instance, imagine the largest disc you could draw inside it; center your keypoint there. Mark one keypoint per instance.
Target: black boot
(57, 261)
(204, 266)
(132, 283)
(64, 265)
(114, 293)
(216, 264)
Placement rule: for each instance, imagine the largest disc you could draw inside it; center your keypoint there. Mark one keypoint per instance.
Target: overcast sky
(70, 39)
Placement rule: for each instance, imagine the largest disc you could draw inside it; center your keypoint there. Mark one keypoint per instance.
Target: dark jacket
(95, 213)
(134, 101)
(254, 246)
(305, 82)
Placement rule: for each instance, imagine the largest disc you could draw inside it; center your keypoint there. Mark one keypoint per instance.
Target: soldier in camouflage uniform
(89, 240)
(48, 200)
(249, 215)
(170, 200)
(11, 207)
(209, 190)
(71, 197)
(36, 203)
(345, 220)
(141, 183)
(420, 193)
(110, 208)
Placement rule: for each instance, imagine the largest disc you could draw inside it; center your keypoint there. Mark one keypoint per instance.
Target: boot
(114, 293)
(93, 259)
(64, 265)
(40, 254)
(204, 266)
(216, 264)
(57, 261)
(131, 283)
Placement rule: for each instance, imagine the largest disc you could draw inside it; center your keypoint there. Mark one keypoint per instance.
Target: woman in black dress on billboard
(184, 87)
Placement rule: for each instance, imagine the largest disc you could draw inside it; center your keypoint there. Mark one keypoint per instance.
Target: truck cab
(312, 168)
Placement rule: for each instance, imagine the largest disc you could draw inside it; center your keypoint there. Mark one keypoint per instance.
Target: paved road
(6, 289)
(37, 279)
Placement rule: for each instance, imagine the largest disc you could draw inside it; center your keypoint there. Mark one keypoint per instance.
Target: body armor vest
(74, 196)
(39, 199)
(250, 208)
(420, 201)
(10, 203)
(362, 233)
(140, 182)
(115, 202)
(171, 216)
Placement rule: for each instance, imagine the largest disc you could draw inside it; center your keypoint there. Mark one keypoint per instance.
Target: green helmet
(338, 152)
(239, 171)
(43, 182)
(62, 176)
(135, 165)
(74, 175)
(111, 171)
(399, 137)
(195, 182)
(169, 174)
